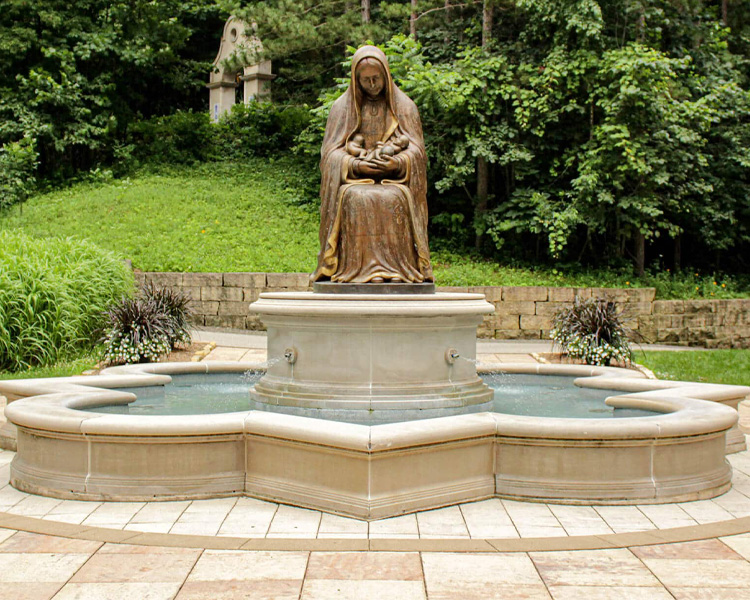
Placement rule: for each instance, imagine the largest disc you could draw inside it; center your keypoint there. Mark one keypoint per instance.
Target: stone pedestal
(371, 358)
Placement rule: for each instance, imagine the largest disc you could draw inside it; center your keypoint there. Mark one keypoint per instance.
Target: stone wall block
(234, 308)
(637, 308)
(222, 294)
(583, 293)
(641, 294)
(245, 280)
(509, 334)
(254, 323)
(165, 279)
(140, 278)
(549, 309)
(525, 294)
(231, 321)
(563, 294)
(491, 293)
(204, 308)
(516, 308)
(287, 280)
(203, 279)
(196, 319)
(250, 294)
(192, 292)
(617, 294)
(699, 306)
(507, 322)
(452, 289)
(669, 307)
(536, 322)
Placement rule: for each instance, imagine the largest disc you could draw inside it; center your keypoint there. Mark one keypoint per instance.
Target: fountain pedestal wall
(372, 358)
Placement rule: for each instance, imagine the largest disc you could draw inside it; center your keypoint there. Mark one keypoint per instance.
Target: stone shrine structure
(224, 79)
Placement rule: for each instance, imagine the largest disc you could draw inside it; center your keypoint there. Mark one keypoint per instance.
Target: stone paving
(231, 548)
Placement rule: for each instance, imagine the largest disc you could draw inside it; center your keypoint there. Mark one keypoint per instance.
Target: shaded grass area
(216, 217)
(713, 366)
(61, 369)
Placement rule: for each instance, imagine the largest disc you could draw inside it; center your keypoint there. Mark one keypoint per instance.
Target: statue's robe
(372, 228)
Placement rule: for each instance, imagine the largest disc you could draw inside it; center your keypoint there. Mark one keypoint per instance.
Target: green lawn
(61, 369)
(712, 366)
(245, 217)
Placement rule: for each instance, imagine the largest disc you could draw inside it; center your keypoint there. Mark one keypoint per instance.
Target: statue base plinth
(331, 287)
(371, 358)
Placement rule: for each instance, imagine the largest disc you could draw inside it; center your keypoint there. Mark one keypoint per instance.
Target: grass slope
(213, 217)
(714, 366)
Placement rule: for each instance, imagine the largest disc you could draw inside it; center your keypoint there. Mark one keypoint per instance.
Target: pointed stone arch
(226, 77)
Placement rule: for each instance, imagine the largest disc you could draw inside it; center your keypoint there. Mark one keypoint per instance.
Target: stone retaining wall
(222, 300)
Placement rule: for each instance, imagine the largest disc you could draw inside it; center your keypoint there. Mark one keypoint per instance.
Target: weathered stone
(234, 308)
(491, 293)
(140, 278)
(516, 308)
(524, 294)
(641, 294)
(192, 292)
(204, 308)
(583, 293)
(561, 294)
(250, 294)
(506, 322)
(452, 289)
(637, 308)
(508, 334)
(536, 322)
(165, 279)
(550, 308)
(669, 307)
(617, 294)
(196, 319)
(231, 321)
(245, 280)
(222, 294)
(203, 279)
(294, 281)
(699, 306)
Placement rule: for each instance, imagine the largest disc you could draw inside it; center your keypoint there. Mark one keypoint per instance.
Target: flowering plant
(593, 331)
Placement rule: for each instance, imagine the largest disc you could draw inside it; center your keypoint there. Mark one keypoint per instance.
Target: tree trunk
(725, 13)
(677, 254)
(487, 22)
(483, 180)
(640, 254)
(365, 11)
(413, 20)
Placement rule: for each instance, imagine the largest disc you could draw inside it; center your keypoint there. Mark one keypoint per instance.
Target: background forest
(569, 133)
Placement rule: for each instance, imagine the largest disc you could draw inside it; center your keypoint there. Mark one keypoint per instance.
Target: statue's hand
(368, 169)
(389, 166)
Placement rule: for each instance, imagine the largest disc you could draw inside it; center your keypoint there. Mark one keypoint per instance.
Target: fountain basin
(371, 472)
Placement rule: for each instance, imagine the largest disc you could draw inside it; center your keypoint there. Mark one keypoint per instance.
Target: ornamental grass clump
(53, 293)
(139, 331)
(593, 331)
(175, 305)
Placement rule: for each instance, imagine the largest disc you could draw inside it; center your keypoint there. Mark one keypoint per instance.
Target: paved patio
(244, 548)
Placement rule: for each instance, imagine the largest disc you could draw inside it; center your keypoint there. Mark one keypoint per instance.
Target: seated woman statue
(373, 212)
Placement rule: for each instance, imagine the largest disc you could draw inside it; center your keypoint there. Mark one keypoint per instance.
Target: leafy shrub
(593, 331)
(53, 293)
(184, 137)
(17, 165)
(139, 331)
(259, 129)
(173, 304)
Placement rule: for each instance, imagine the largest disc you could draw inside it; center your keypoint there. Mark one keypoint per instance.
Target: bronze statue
(373, 212)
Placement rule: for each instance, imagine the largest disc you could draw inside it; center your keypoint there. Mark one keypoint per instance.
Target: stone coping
(584, 542)
(56, 402)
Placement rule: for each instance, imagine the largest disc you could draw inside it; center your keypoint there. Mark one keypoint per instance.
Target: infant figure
(356, 146)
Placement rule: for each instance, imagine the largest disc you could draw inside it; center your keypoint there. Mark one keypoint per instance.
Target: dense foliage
(565, 132)
(53, 293)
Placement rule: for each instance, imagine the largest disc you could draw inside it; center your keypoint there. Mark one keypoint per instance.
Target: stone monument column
(236, 40)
